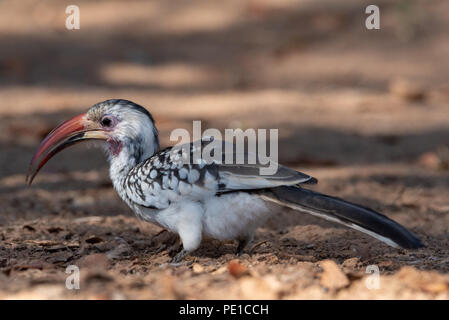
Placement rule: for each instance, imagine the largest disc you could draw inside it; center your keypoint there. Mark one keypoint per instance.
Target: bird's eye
(106, 122)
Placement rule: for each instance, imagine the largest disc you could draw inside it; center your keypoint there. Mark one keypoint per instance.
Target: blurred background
(364, 111)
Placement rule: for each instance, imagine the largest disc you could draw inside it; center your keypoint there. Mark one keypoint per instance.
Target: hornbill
(200, 199)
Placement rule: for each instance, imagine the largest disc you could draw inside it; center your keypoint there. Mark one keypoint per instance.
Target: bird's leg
(176, 247)
(190, 242)
(240, 247)
(161, 248)
(179, 257)
(243, 243)
(188, 225)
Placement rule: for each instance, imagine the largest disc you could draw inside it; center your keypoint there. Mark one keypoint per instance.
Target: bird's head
(127, 130)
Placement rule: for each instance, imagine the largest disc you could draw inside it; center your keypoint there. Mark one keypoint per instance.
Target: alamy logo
(373, 20)
(73, 280)
(210, 147)
(73, 20)
(372, 282)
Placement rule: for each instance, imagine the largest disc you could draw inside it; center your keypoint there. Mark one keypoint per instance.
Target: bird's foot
(258, 245)
(161, 248)
(175, 261)
(242, 245)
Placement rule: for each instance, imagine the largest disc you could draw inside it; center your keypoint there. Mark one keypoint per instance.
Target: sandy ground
(366, 112)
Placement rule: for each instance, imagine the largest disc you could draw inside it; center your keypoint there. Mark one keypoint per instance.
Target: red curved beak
(66, 134)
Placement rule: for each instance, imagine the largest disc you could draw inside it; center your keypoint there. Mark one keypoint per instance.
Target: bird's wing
(246, 172)
(167, 175)
(247, 177)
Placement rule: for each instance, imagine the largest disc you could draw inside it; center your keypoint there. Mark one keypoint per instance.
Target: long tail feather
(343, 212)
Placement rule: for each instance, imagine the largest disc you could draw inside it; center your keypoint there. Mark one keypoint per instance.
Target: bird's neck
(129, 156)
